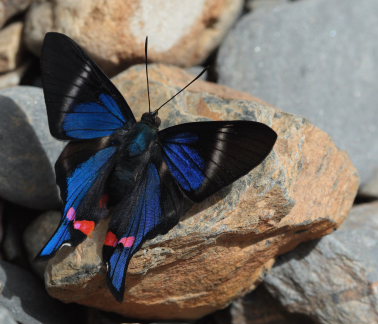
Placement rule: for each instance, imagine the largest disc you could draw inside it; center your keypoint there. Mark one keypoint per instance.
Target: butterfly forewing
(207, 156)
(81, 101)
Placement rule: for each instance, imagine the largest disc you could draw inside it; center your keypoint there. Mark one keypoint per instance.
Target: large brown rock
(218, 252)
(181, 32)
(10, 8)
(11, 47)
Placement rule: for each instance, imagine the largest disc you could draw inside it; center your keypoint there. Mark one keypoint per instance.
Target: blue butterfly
(113, 165)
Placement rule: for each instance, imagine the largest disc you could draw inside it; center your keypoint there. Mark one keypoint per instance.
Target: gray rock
(370, 189)
(28, 150)
(263, 4)
(333, 280)
(6, 316)
(36, 236)
(322, 66)
(195, 70)
(1, 220)
(23, 295)
(259, 307)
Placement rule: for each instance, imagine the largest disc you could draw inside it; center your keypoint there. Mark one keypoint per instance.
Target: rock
(23, 295)
(218, 252)
(97, 317)
(6, 316)
(370, 189)
(35, 236)
(16, 219)
(10, 8)
(263, 4)
(11, 47)
(196, 70)
(114, 34)
(1, 221)
(13, 78)
(28, 150)
(324, 68)
(259, 307)
(333, 280)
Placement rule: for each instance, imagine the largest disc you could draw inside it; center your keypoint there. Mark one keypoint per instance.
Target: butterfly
(132, 172)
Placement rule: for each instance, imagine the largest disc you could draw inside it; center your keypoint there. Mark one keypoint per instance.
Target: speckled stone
(317, 59)
(11, 46)
(5, 316)
(180, 32)
(24, 297)
(219, 250)
(10, 8)
(260, 307)
(370, 188)
(263, 4)
(28, 150)
(35, 236)
(337, 276)
(13, 78)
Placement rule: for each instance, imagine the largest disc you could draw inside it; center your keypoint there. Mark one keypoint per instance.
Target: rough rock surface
(24, 297)
(1, 220)
(6, 316)
(302, 191)
(9, 8)
(259, 307)
(28, 151)
(13, 78)
(263, 4)
(45, 223)
(337, 276)
(370, 189)
(324, 68)
(114, 33)
(11, 47)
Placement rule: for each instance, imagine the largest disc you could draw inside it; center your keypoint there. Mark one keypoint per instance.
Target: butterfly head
(152, 119)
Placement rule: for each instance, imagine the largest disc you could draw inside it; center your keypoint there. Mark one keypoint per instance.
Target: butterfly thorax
(133, 155)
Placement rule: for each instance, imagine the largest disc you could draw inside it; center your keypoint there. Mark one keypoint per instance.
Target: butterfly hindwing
(81, 101)
(154, 207)
(81, 171)
(204, 157)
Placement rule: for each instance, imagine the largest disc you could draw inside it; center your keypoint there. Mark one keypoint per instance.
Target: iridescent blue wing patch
(81, 174)
(207, 156)
(81, 101)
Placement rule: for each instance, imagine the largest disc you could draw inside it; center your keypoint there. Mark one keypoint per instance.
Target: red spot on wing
(104, 201)
(127, 241)
(85, 226)
(111, 239)
(71, 214)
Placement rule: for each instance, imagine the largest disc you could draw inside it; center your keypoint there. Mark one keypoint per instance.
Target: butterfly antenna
(148, 84)
(196, 78)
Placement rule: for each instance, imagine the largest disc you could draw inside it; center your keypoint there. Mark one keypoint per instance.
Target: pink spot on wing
(71, 215)
(127, 241)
